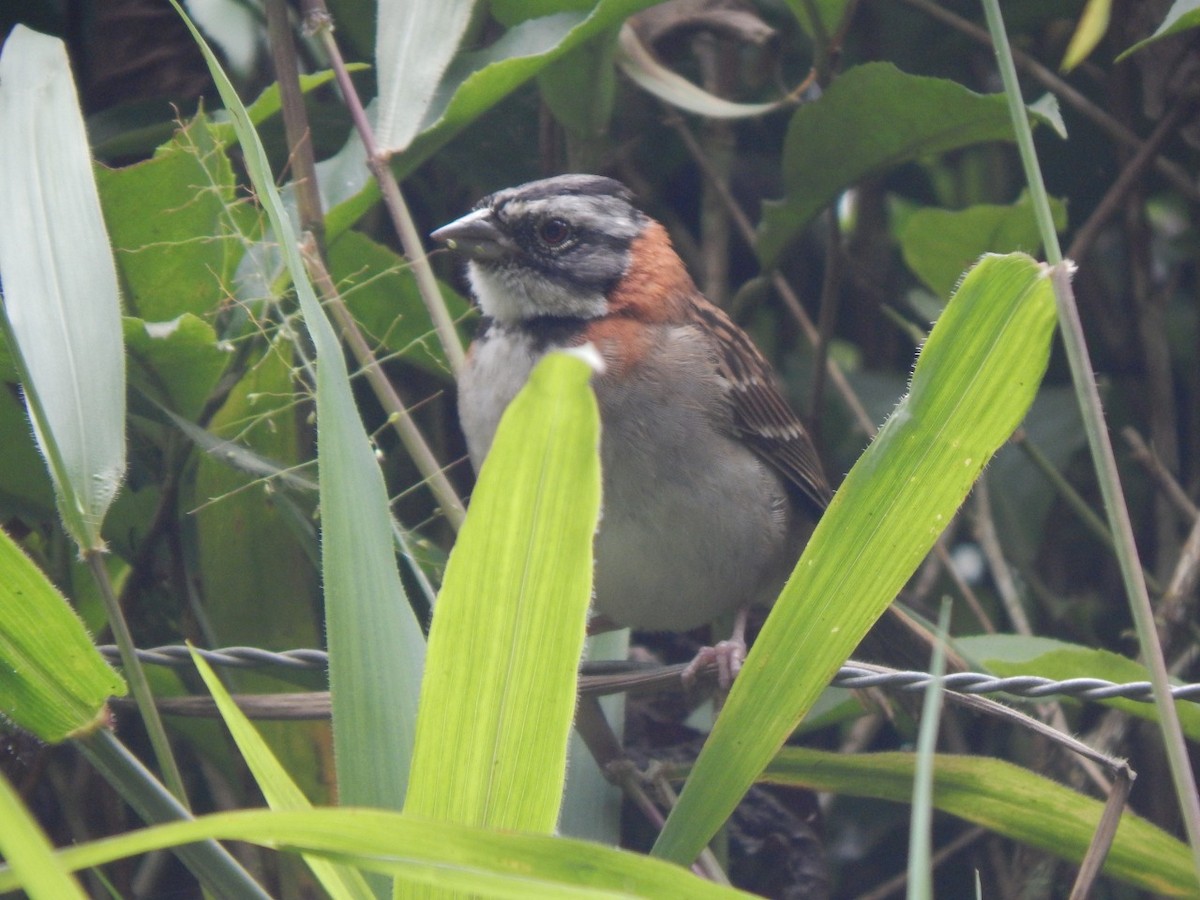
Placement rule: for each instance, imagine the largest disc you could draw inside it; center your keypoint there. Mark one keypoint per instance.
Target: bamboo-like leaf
(414, 43)
(508, 630)
(651, 75)
(54, 684)
(1093, 23)
(972, 384)
(60, 284)
(376, 649)
(29, 852)
(416, 851)
(277, 786)
(1003, 798)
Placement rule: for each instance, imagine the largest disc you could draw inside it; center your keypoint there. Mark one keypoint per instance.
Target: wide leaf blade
(1005, 799)
(60, 283)
(54, 684)
(508, 630)
(419, 852)
(873, 118)
(972, 384)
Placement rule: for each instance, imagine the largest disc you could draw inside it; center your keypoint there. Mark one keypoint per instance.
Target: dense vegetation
(829, 171)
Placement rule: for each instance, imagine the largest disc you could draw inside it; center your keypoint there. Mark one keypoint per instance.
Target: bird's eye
(554, 232)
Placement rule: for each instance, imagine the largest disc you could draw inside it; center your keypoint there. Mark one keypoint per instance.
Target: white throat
(507, 296)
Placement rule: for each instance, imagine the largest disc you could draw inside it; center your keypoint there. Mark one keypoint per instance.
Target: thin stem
(1101, 446)
(136, 676)
(398, 414)
(377, 162)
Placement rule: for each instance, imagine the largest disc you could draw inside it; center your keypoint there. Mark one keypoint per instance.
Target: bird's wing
(761, 417)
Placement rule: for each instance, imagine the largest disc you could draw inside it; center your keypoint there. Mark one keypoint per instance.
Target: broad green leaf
(265, 591)
(1182, 16)
(1011, 654)
(29, 852)
(177, 226)
(1093, 23)
(580, 87)
(1005, 799)
(376, 649)
(55, 684)
(973, 382)
(507, 633)
(477, 80)
(177, 363)
(640, 65)
(940, 244)
(872, 118)
(421, 852)
(379, 289)
(60, 285)
(280, 792)
(414, 43)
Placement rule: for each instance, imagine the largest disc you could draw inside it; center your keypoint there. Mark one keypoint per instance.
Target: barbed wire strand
(851, 675)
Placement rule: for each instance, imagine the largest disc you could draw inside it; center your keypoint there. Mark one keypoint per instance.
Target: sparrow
(711, 484)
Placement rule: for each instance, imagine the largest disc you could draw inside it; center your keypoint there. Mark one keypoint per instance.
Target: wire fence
(851, 675)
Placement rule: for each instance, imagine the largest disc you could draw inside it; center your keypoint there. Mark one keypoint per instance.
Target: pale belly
(693, 525)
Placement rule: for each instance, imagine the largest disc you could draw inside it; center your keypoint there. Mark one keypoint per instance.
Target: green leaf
(177, 228)
(280, 792)
(507, 634)
(263, 592)
(177, 362)
(420, 852)
(61, 306)
(376, 649)
(1182, 16)
(872, 118)
(940, 244)
(477, 80)
(1005, 799)
(380, 290)
(579, 88)
(55, 684)
(973, 382)
(29, 852)
(644, 70)
(414, 43)
(1093, 23)
(1010, 654)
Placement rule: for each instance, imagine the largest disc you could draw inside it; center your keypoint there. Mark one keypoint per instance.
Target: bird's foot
(727, 656)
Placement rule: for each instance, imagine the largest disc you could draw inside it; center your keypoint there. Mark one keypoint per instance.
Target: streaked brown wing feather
(760, 414)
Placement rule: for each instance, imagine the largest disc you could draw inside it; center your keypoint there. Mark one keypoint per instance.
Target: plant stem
(1101, 446)
(398, 414)
(377, 161)
(136, 676)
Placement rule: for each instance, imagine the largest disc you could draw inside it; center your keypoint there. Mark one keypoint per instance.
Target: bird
(711, 484)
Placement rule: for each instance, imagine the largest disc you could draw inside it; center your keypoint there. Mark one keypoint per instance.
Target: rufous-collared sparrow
(711, 484)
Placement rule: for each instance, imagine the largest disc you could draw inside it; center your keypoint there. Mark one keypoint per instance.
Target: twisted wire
(1031, 687)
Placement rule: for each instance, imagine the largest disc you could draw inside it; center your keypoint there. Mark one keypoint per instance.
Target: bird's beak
(476, 234)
